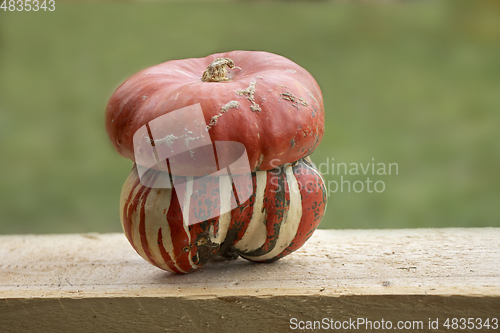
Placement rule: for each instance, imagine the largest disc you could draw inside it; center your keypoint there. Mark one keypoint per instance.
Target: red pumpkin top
(262, 100)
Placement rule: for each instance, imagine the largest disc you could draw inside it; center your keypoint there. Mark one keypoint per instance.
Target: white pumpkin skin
(285, 208)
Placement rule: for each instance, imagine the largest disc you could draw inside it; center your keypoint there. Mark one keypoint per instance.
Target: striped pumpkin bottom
(285, 208)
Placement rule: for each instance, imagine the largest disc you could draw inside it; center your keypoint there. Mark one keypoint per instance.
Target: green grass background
(413, 83)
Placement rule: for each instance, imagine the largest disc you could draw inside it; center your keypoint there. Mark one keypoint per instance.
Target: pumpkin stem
(217, 70)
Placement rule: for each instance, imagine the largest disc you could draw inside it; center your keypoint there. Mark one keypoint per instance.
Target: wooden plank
(57, 283)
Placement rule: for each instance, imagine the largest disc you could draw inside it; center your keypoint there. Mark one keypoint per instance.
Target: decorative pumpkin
(285, 208)
(258, 107)
(262, 100)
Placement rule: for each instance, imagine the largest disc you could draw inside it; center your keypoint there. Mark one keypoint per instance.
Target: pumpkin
(262, 100)
(284, 209)
(220, 147)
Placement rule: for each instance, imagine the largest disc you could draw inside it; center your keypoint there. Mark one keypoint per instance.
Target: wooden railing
(339, 279)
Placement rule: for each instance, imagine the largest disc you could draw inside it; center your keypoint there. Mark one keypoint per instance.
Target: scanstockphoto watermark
(354, 324)
(384, 325)
(347, 174)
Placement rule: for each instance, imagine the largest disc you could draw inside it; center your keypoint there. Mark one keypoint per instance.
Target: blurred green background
(412, 83)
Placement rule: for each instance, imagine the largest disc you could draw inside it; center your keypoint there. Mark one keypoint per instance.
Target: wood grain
(60, 283)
